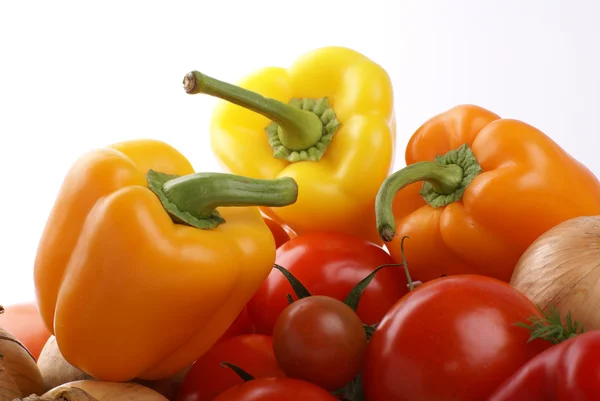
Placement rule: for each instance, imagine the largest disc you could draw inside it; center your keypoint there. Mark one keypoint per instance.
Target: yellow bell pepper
(142, 267)
(327, 121)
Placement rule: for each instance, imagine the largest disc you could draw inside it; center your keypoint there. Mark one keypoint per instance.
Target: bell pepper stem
(445, 180)
(201, 193)
(298, 129)
(193, 199)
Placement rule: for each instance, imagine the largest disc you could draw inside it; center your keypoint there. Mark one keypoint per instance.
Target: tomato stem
(353, 297)
(245, 376)
(415, 284)
(550, 326)
(370, 329)
(351, 300)
(411, 285)
(299, 289)
(354, 390)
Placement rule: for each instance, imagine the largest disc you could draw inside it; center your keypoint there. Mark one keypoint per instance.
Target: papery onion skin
(20, 373)
(56, 371)
(54, 367)
(561, 269)
(108, 391)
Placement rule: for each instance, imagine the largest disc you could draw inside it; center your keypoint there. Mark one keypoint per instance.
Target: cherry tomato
(276, 389)
(280, 233)
(206, 378)
(321, 340)
(23, 321)
(452, 338)
(329, 264)
(241, 325)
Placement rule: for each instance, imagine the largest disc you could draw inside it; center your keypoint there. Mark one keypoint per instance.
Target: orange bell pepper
(141, 268)
(477, 191)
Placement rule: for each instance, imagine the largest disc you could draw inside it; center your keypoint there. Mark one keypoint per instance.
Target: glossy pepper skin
(565, 372)
(128, 292)
(491, 187)
(339, 177)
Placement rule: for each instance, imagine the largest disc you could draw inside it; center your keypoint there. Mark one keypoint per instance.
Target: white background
(79, 75)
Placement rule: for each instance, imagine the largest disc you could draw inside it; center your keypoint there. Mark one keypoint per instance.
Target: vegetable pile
(307, 269)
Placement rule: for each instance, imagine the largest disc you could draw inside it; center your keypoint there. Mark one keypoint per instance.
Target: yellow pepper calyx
(300, 130)
(193, 199)
(280, 140)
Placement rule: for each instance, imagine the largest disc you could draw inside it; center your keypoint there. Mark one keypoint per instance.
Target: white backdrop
(78, 75)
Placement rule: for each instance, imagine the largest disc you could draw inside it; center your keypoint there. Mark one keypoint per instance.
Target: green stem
(242, 374)
(299, 289)
(550, 327)
(298, 129)
(201, 193)
(193, 199)
(411, 285)
(444, 179)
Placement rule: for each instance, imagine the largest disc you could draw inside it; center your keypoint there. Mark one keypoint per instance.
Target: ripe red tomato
(241, 325)
(206, 378)
(276, 389)
(23, 321)
(567, 371)
(281, 234)
(453, 338)
(321, 340)
(329, 264)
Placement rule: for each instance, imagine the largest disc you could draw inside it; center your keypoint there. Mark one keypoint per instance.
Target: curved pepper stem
(193, 199)
(444, 182)
(300, 130)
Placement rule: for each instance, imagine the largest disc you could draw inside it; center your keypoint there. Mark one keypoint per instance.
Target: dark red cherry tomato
(329, 264)
(321, 340)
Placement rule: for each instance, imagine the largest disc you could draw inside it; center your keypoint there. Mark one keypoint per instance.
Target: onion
(54, 367)
(561, 270)
(19, 374)
(95, 390)
(57, 371)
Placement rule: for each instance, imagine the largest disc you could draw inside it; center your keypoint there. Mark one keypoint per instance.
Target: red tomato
(206, 378)
(453, 338)
(25, 323)
(241, 325)
(281, 234)
(321, 340)
(276, 389)
(565, 372)
(329, 264)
